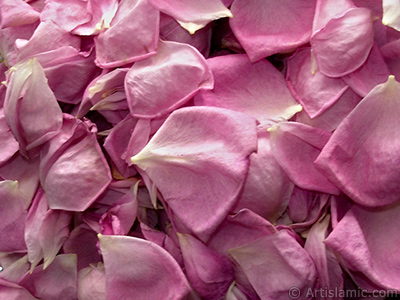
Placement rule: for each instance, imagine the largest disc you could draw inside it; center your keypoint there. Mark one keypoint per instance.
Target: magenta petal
(373, 72)
(315, 91)
(209, 273)
(150, 95)
(58, 281)
(369, 143)
(295, 147)
(73, 169)
(138, 267)
(30, 107)
(207, 149)
(262, 93)
(328, 9)
(343, 45)
(192, 15)
(113, 49)
(16, 13)
(274, 264)
(92, 283)
(266, 27)
(13, 213)
(13, 267)
(366, 240)
(391, 54)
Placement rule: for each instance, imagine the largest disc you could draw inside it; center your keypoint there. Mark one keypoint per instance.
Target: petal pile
(190, 150)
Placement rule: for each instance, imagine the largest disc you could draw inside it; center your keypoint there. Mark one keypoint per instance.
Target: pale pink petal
(30, 107)
(343, 45)
(101, 14)
(13, 213)
(92, 283)
(198, 160)
(136, 19)
(391, 13)
(148, 92)
(262, 93)
(360, 157)
(274, 264)
(192, 15)
(73, 170)
(315, 91)
(373, 72)
(266, 27)
(209, 273)
(9, 144)
(141, 268)
(82, 242)
(267, 189)
(58, 281)
(47, 36)
(16, 13)
(68, 14)
(295, 147)
(331, 118)
(366, 241)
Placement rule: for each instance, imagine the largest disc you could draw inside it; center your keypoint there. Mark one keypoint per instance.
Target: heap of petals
(189, 150)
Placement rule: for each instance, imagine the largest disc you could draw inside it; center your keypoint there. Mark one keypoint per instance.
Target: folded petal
(274, 264)
(15, 270)
(209, 273)
(30, 107)
(365, 240)
(192, 15)
(360, 157)
(148, 92)
(343, 45)
(140, 269)
(207, 149)
(315, 91)
(10, 290)
(58, 281)
(266, 27)
(113, 49)
(73, 169)
(262, 93)
(295, 147)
